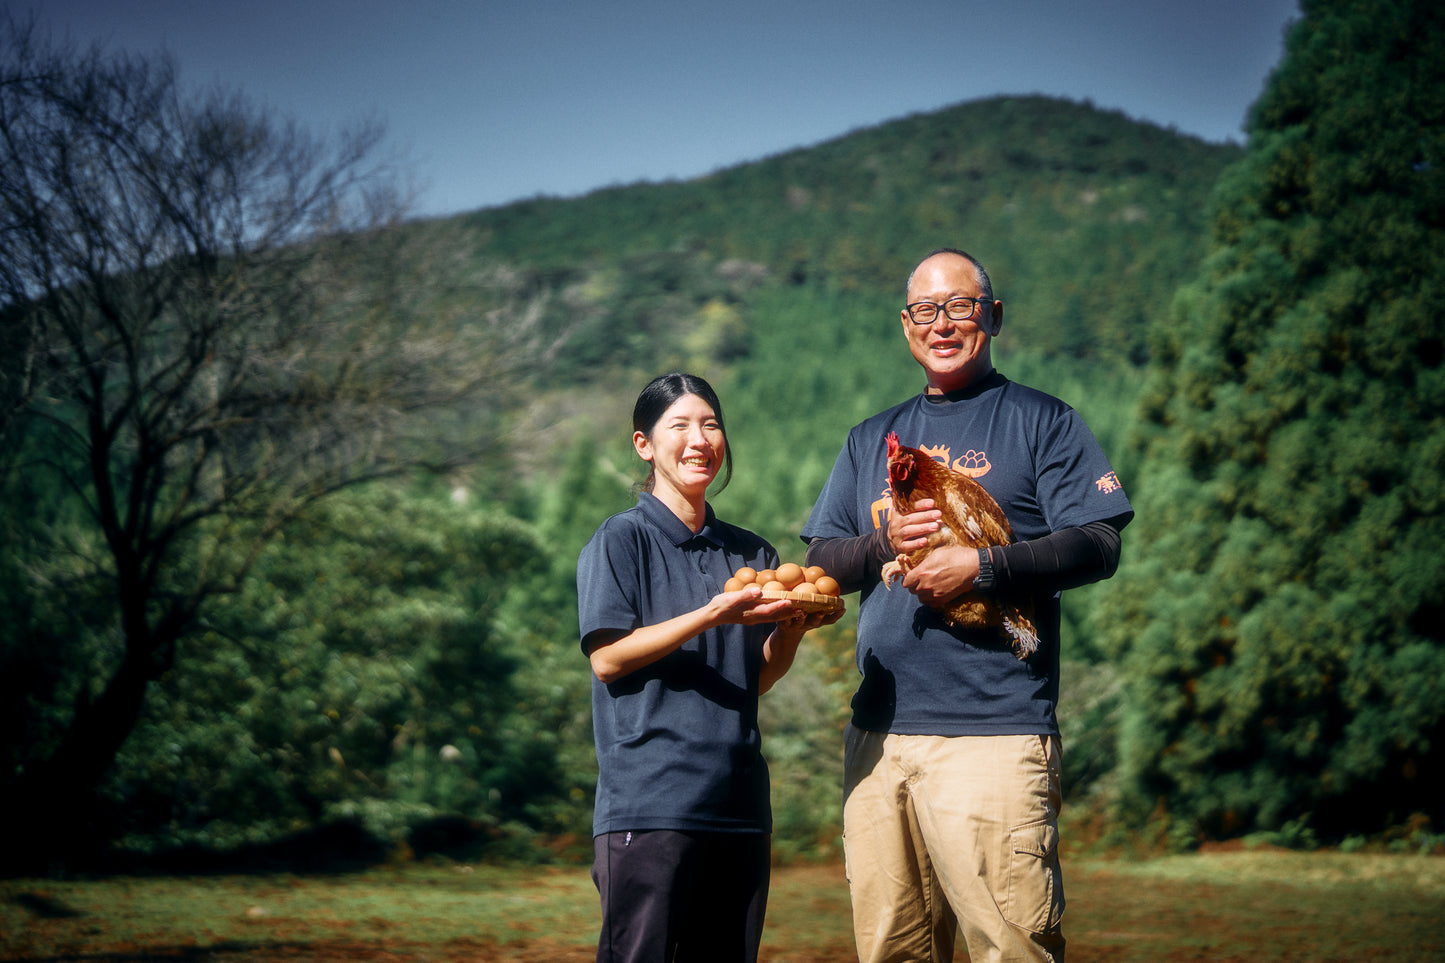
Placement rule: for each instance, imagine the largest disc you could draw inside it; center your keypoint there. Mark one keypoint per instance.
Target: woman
(682, 817)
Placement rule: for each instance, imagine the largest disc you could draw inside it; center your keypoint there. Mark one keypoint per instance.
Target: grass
(1260, 905)
(1266, 905)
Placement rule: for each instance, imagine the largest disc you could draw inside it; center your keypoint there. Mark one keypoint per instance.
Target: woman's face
(685, 447)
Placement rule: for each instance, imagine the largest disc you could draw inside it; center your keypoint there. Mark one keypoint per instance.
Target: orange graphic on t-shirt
(973, 463)
(881, 508)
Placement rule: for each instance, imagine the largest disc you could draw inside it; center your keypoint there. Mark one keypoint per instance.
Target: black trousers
(674, 897)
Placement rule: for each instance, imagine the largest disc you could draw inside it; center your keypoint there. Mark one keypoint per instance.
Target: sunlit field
(1266, 905)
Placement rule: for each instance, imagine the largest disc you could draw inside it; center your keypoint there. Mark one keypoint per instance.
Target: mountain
(785, 275)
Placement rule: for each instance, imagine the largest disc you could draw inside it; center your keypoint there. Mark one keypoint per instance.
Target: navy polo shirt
(678, 745)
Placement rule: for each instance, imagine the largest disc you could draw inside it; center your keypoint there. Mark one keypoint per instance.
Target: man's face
(953, 353)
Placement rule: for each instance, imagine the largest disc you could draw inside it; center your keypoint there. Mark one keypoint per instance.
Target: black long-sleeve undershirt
(1060, 560)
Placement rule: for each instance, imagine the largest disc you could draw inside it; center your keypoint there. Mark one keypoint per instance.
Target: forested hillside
(785, 274)
(398, 655)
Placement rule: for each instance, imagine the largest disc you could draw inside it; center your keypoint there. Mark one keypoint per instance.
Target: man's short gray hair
(985, 286)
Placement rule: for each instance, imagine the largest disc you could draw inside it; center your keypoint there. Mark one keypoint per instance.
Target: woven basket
(807, 601)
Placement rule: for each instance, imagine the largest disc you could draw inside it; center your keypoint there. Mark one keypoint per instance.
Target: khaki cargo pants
(953, 833)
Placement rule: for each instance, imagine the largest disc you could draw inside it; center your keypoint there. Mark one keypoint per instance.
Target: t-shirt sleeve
(834, 514)
(1076, 484)
(608, 584)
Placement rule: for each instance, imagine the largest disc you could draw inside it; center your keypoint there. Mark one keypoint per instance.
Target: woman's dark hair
(660, 394)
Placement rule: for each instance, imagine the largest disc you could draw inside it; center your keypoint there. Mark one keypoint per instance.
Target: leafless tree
(208, 320)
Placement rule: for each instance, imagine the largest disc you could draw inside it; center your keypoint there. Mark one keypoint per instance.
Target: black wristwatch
(984, 581)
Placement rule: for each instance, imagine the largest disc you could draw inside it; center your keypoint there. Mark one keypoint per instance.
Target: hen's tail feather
(1021, 630)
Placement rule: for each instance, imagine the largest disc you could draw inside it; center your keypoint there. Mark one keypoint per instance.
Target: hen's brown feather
(971, 518)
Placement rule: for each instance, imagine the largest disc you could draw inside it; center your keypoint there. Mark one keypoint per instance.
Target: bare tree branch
(210, 320)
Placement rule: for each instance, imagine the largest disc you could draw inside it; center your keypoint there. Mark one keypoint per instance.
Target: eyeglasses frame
(943, 308)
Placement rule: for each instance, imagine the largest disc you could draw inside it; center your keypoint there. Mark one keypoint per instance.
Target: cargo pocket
(1035, 885)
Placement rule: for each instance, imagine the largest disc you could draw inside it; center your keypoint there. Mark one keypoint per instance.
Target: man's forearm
(850, 560)
(1060, 560)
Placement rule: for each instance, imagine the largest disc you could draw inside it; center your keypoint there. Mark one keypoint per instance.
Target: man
(952, 758)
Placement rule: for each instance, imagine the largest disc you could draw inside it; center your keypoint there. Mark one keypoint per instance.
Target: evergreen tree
(1279, 615)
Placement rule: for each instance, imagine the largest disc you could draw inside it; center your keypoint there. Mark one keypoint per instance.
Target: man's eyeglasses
(957, 309)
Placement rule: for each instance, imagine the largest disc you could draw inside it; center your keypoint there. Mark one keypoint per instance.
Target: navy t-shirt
(678, 745)
(1037, 459)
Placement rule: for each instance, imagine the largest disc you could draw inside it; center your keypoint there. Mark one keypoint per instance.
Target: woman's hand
(804, 622)
(618, 654)
(782, 645)
(747, 606)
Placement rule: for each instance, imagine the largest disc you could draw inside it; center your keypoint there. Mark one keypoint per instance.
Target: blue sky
(491, 101)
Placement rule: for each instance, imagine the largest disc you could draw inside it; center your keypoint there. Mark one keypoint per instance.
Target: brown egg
(746, 575)
(790, 574)
(812, 573)
(766, 575)
(732, 585)
(805, 588)
(828, 585)
(774, 586)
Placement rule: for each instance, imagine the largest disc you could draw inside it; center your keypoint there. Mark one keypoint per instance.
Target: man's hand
(908, 532)
(944, 574)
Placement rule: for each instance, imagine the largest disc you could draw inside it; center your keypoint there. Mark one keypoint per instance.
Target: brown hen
(970, 518)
